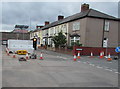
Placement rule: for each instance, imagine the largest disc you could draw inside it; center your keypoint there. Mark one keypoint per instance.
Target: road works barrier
(74, 58)
(41, 56)
(109, 58)
(27, 57)
(78, 56)
(101, 55)
(91, 55)
(14, 56)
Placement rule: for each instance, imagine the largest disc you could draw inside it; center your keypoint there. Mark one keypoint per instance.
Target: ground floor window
(74, 40)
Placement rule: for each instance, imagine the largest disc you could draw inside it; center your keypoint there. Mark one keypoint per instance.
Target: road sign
(79, 49)
(117, 49)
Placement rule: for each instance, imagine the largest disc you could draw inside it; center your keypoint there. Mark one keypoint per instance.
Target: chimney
(84, 7)
(46, 23)
(60, 17)
(38, 27)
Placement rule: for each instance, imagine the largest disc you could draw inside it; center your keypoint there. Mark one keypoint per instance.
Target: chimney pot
(46, 23)
(60, 17)
(38, 27)
(84, 7)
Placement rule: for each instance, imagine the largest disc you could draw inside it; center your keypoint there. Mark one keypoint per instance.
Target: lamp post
(47, 41)
(106, 47)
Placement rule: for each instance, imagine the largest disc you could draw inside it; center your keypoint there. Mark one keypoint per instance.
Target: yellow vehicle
(22, 52)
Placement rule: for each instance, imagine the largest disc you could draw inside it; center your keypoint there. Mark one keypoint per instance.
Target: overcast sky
(38, 12)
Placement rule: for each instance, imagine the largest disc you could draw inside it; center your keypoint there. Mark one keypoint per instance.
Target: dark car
(33, 56)
(22, 59)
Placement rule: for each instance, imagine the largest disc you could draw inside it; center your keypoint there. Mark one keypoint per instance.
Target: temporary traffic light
(34, 43)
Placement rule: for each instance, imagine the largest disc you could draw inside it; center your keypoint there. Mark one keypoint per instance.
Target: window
(107, 25)
(76, 26)
(51, 31)
(74, 40)
(64, 28)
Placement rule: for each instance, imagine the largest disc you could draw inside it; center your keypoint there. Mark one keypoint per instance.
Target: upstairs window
(76, 26)
(107, 26)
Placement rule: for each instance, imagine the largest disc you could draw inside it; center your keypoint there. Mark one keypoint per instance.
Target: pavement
(58, 70)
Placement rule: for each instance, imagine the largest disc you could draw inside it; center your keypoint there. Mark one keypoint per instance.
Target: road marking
(84, 62)
(99, 67)
(92, 64)
(61, 57)
(108, 69)
(79, 61)
(116, 72)
(109, 62)
(114, 69)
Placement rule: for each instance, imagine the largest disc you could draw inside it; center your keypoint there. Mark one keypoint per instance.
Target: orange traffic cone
(109, 57)
(91, 55)
(101, 55)
(78, 56)
(27, 56)
(8, 53)
(14, 56)
(6, 50)
(74, 57)
(41, 58)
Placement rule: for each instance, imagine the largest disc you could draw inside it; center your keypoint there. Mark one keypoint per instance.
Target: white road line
(114, 69)
(92, 64)
(116, 72)
(84, 62)
(61, 57)
(99, 67)
(79, 61)
(108, 69)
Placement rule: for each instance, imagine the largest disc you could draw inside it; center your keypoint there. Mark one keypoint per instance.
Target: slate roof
(88, 13)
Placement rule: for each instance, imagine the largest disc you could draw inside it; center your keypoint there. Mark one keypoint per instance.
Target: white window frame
(76, 26)
(74, 39)
(107, 26)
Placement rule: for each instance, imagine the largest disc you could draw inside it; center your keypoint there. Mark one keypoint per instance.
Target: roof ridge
(88, 12)
(103, 13)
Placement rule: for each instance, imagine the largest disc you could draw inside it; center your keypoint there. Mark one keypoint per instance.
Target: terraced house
(89, 27)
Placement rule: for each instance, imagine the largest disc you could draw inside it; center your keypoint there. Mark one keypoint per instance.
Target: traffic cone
(74, 57)
(6, 50)
(27, 56)
(8, 53)
(109, 57)
(101, 55)
(14, 56)
(78, 56)
(91, 55)
(41, 58)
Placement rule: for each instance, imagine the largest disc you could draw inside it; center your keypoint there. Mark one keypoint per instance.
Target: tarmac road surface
(58, 70)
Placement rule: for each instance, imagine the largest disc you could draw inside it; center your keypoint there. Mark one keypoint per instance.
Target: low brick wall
(95, 50)
(59, 50)
(64, 51)
(86, 51)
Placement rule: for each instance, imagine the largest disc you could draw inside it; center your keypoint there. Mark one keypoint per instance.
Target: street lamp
(47, 41)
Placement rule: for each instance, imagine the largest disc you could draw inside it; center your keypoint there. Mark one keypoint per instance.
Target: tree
(59, 40)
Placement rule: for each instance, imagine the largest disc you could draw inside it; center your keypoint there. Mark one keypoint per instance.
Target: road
(59, 70)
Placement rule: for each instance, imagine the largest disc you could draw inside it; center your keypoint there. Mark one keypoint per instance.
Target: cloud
(38, 12)
(60, 0)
